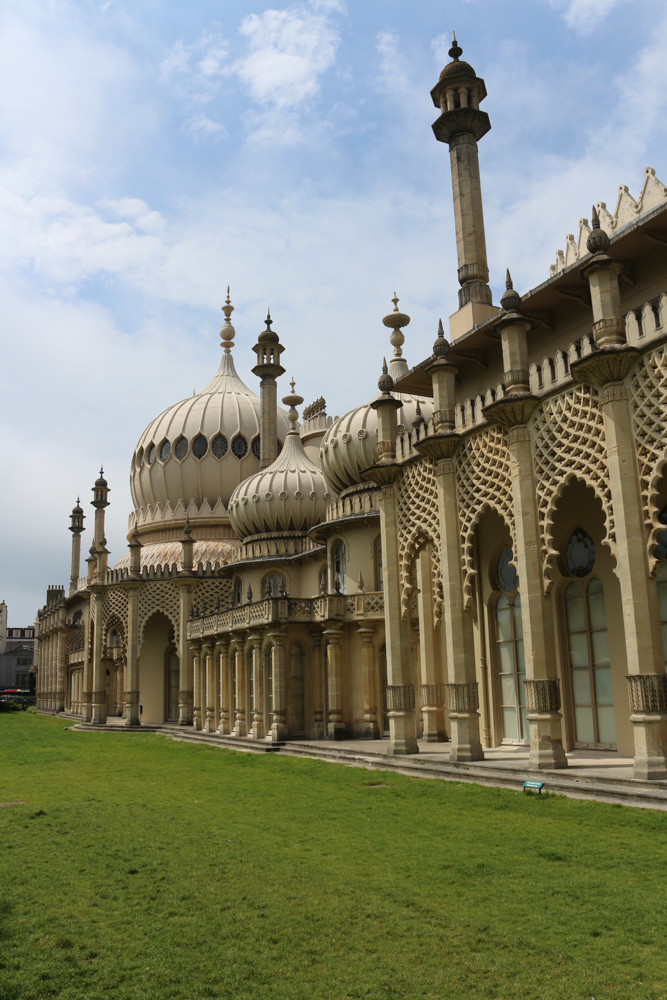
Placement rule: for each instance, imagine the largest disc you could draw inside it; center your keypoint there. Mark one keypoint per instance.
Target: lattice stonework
(569, 442)
(76, 638)
(207, 593)
(648, 397)
(114, 609)
(482, 482)
(162, 596)
(418, 524)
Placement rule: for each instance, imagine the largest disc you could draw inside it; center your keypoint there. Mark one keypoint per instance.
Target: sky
(153, 152)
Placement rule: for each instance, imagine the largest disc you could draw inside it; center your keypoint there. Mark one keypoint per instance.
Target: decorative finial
(268, 336)
(227, 331)
(187, 530)
(395, 320)
(598, 241)
(456, 49)
(511, 300)
(385, 381)
(293, 400)
(441, 346)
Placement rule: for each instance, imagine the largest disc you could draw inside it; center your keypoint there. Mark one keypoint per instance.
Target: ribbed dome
(290, 495)
(201, 448)
(169, 554)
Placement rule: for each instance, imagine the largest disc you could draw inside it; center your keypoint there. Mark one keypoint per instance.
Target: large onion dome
(192, 456)
(290, 495)
(350, 443)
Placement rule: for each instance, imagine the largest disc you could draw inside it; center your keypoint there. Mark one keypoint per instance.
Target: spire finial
(227, 331)
(598, 241)
(508, 279)
(456, 49)
(441, 345)
(385, 381)
(511, 300)
(395, 320)
(293, 400)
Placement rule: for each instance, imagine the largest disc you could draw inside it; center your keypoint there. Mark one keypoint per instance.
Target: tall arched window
(273, 585)
(509, 643)
(237, 592)
(590, 668)
(339, 568)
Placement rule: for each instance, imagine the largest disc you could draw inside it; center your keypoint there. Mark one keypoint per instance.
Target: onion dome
(197, 451)
(511, 300)
(289, 495)
(598, 241)
(350, 443)
(210, 550)
(457, 67)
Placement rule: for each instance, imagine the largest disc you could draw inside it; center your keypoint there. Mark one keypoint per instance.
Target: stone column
(98, 701)
(369, 725)
(239, 714)
(279, 730)
(335, 724)
(223, 658)
(197, 693)
(61, 665)
(132, 667)
(258, 730)
(430, 646)
(317, 679)
(208, 670)
(185, 666)
(87, 674)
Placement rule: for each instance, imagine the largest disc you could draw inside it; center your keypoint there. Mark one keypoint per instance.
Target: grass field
(142, 867)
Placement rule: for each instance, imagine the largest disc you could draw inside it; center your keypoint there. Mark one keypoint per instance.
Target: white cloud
(392, 77)
(200, 126)
(287, 52)
(585, 15)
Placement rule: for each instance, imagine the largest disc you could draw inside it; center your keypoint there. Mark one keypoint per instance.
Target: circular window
(165, 450)
(181, 448)
(661, 547)
(150, 454)
(255, 447)
(219, 446)
(239, 446)
(506, 574)
(580, 553)
(199, 446)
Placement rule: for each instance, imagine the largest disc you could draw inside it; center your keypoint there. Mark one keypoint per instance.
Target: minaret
(461, 124)
(77, 518)
(100, 502)
(268, 349)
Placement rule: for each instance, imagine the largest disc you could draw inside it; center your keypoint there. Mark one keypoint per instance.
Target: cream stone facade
(477, 555)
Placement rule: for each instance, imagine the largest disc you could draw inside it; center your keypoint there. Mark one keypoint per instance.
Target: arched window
(377, 563)
(237, 592)
(590, 668)
(273, 585)
(324, 580)
(509, 644)
(298, 690)
(339, 568)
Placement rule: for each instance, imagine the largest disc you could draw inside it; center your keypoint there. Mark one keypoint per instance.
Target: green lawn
(141, 867)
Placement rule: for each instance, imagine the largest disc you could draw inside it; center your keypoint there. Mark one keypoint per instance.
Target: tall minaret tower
(268, 368)
(461, 124)
(77, 518)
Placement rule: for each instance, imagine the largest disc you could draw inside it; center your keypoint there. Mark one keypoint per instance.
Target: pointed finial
(441, 346)
(227, 331)
(293, 400)
(456, 49)
(598, 241)
(511, 300)
(187, 530)
(268, 336)
(385, 381)
(395, 320)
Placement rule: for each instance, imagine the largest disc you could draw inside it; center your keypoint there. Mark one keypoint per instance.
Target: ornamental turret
(100, 502)
(268, 368)
(461, 125)
(77, 517)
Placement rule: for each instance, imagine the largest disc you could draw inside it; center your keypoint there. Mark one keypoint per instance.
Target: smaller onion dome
(457, 67)
(511, 300)
(598, 241)
(291, 494)
(101, 482)
(78, 509)
(268, 336)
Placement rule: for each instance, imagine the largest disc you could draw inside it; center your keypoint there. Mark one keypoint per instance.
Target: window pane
(516, 612)
(606, 725)
(574, 607)
(596, 612)
(600, 643)
(583, 721)
(603, 692)
(504, 623)
(506, 658)
(507, 690)
(581, 687)
(520, 664)
(503, 602)
(522, 690)
(510, 727)
(525, 731)
(578, 651)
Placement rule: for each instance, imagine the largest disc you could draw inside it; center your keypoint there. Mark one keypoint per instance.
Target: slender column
(335, 726)
(279, 730)
(223, 659)
(369, 725)
(239, 714)
(258, 729)
(430, 647)
(542, 684)
(208, 665)
(86, 707)
(98, 701)
(317, 685)
(132, 666)
(185, 665)
(61, 666)
(196, 691)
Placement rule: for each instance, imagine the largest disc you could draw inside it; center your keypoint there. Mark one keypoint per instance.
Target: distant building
(17, 650)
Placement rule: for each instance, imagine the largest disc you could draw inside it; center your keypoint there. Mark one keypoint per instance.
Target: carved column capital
(400, 697)
(543, 696)
(517, 434)
(463, 697)
(647, 693)
(433, 695)
(612, 392)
